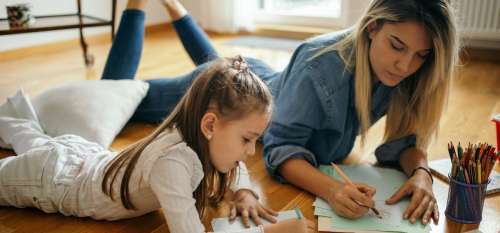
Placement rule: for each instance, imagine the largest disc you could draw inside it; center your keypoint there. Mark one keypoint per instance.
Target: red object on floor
(496, 119)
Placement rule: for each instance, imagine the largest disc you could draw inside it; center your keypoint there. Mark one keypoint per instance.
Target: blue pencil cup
(465, 201)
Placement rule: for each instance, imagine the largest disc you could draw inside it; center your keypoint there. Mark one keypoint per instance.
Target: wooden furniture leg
(113, 14)
(88, 58)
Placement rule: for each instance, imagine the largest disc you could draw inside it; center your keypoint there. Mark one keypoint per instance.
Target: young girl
(187, 164)
(396, 61)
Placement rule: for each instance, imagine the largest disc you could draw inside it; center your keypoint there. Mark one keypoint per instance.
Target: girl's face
(233, 141)
(397, 50)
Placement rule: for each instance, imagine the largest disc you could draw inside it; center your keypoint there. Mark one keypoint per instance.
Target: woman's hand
(291, 226)
(247, 205)
(347, 200)
(422, 205)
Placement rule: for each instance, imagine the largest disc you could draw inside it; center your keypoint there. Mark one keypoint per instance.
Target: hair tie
(240, 65)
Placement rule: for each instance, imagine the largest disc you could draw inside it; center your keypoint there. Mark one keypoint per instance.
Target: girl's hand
(422, 205)
(247, 205)
(291, 226)
(346, 200)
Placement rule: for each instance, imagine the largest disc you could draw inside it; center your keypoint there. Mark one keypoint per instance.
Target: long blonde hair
(226, 87)
(416, 103)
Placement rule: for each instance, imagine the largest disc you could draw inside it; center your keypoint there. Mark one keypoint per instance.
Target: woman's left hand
(422, 205)
(247, 205)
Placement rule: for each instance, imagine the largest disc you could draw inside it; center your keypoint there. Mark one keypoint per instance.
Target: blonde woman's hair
(226, 87)
(418, 101)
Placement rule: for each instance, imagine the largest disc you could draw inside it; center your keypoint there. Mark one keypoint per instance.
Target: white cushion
(96, 110)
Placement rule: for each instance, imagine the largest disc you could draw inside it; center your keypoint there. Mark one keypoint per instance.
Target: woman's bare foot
(136, 4)
(174, 8)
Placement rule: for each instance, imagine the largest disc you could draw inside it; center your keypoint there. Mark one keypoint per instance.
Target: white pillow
(17, 106)
(96, 110)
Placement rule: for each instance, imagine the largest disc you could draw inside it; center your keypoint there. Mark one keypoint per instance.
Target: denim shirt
(314, 116)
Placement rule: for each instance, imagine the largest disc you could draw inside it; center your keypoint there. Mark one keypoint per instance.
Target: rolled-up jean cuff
(281, 154)
(186, 19)
(134, 12)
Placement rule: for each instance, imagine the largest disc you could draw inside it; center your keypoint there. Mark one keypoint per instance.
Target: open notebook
(223, 224)
(441, 168)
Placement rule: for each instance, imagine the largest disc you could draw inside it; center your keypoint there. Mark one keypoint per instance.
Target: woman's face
(233, 141)
(397, 50)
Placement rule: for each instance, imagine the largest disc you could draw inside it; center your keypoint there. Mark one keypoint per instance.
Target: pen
(348, 181)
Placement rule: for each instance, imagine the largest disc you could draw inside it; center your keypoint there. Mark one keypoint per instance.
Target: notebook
(441, 168)
(223, 224)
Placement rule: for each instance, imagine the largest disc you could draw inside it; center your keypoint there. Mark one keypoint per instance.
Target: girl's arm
(171, 181)
(242, 178)
(246, 203)
(245, 200)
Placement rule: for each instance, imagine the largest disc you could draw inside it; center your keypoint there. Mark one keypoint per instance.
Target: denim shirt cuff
(389, 153)
(281, 154)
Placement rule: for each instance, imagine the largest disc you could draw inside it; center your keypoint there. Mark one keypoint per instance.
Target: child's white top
(166, 176)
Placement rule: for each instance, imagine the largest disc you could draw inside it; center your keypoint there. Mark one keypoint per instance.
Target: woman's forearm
(302, 174)
(411, 159)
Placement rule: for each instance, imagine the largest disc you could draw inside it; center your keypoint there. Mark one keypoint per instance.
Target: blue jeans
(163, 94)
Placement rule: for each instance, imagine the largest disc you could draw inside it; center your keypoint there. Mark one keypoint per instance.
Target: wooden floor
(475, 96)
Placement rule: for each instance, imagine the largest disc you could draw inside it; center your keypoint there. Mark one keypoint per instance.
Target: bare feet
(174, 8)
(136, 4)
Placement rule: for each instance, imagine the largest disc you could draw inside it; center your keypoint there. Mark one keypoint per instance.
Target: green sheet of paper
(386, 181)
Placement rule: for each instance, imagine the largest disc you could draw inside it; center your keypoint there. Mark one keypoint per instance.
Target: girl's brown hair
(226, 87)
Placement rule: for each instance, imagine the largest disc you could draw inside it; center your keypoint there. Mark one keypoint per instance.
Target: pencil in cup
(469, 180)
(349, 182)
(476, 163)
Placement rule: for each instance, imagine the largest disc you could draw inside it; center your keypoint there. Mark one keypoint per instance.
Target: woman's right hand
(291, 226)
(345, 199)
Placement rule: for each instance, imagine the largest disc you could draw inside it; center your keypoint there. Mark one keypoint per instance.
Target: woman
(398, 60)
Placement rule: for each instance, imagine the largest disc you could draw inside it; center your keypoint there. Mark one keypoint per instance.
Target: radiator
(479, 19)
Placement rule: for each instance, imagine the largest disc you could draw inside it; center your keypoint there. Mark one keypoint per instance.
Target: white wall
(155, 13)
(356, 8)
(101, 8)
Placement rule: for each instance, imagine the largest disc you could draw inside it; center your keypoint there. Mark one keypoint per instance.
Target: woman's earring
(209, 137)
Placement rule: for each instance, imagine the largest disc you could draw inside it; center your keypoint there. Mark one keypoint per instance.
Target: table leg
(88, 58)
